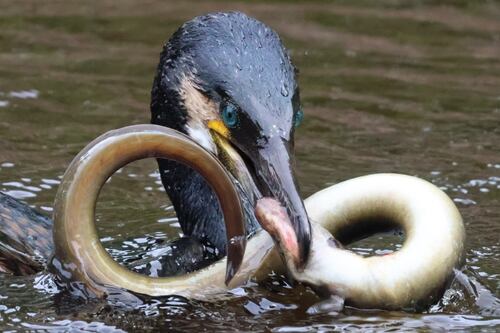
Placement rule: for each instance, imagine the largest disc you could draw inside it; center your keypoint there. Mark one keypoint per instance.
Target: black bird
(227, 81)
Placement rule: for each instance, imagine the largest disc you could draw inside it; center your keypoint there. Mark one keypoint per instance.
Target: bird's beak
(268, 171)
(275, 178)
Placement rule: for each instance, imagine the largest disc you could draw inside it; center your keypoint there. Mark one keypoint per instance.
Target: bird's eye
(230, 115)
(298, 117)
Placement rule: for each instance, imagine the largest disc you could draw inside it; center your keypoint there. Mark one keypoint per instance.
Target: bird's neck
(197, 206)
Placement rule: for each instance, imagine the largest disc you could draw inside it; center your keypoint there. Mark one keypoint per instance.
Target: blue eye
(230, 115)
(298, 117)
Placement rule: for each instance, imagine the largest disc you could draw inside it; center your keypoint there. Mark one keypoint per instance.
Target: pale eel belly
(412, 276)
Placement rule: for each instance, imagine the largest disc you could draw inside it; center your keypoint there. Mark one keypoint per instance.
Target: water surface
(410, 87)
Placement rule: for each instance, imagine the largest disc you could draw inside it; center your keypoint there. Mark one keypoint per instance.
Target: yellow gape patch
(219, 127)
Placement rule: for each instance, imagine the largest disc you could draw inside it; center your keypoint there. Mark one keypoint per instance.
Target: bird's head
(227, 81)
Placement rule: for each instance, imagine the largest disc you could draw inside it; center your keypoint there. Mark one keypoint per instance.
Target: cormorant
(227, 81)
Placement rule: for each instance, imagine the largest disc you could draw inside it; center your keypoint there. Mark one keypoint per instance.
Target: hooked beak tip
(304, 241)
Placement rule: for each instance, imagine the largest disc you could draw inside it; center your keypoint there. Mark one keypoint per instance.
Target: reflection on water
(388, 86)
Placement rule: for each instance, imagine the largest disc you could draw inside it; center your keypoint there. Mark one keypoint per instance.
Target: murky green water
(410, 87)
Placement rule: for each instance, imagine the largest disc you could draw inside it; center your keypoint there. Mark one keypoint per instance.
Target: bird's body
(25, 237)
